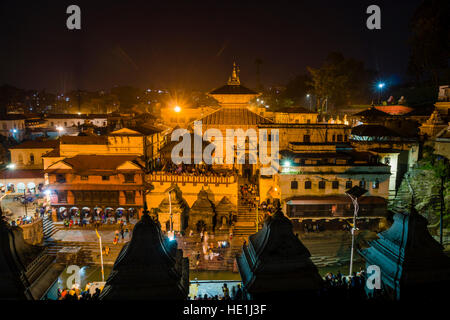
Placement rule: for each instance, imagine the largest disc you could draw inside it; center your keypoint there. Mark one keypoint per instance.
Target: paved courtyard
(14, 209)
(77, 235)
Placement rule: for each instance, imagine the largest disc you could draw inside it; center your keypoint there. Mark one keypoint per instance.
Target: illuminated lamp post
(171, 233)
(380, 88)
(59, 129)
(354, 193)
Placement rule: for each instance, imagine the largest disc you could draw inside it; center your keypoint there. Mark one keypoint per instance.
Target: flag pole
(101, 254)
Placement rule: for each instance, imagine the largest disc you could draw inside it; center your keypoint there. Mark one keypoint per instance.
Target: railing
(160, 177)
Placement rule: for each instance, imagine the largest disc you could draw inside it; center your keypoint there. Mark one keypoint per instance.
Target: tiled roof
(232, 89)
(144, 130)
(36, 144)
(53, 154)
(373, 130)
(84, 140)
(234, 116)
(84, 163)
(21, 174)
(13, 116)
(395, 110)
(371, 113)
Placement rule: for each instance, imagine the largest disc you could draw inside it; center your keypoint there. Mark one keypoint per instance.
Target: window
(348, 184)
(307, 184)
(339, 137)
(375, 184)
(334, 137)
(322, 184)
(20, 159)
(129, 197)
(5, 126)
(308, 121)
(62, 196)
(105, 178)
(294, 184)
(31, 158)
(65, 124)
(52, 124)
(306, 138)
(387, 160)
(84, 177)
(362, 183)
(335, 184)
(129, 177)
(61, 178)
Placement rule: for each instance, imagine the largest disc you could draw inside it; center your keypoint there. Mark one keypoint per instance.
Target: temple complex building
(92, 182)
(26, 173)
(13, 126)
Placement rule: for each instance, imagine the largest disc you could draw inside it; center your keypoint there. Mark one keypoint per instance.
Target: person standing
(226, 291)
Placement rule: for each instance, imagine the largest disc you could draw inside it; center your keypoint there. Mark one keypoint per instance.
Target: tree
(340, 81)
(127, 96)
(297, 89)
(430, 42)
(441, 169)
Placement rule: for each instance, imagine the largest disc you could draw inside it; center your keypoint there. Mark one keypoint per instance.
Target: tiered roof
(149, 267)
(412, 263)
(276, 262)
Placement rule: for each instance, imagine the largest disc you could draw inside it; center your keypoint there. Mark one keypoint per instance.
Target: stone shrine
(149, 267)
(275, 263)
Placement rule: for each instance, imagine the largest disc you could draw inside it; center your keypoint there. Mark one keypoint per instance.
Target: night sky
(192, 44)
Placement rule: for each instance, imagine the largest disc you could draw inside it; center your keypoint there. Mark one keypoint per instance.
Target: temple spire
(234, 78)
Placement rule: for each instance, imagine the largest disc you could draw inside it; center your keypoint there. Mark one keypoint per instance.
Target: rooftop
(21, 174)
(84, 140)
(234, 116)
(395, 110)
(37, 144)
(373, 130)
(232, 89)
(13, 116)
(371, 113)
(84, 163)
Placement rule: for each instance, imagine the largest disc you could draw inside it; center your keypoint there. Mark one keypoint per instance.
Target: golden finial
(234, 79)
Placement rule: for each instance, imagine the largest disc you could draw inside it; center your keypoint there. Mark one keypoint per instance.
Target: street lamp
(354, 193)
(59, 129)
(11, 166)
(308, 96)
(177, 109)
(171, 235)
(380, 87)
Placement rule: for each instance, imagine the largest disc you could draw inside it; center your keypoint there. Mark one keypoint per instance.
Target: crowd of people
(201, 170)
(22, 220)
(97, 218)
(235, 294)
(76, 294)
(247, 195)
(338, 286)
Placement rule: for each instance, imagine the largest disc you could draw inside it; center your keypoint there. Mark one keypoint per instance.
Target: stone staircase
(246, 219)
(49, 228)
(90, 251)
